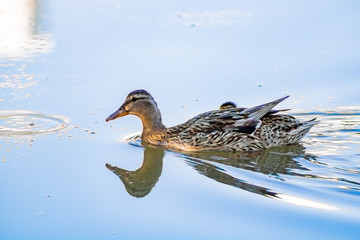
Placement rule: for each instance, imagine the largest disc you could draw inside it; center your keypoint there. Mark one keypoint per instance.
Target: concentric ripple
(20, 122)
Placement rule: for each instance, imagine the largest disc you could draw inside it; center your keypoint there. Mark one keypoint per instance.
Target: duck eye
(134, 99)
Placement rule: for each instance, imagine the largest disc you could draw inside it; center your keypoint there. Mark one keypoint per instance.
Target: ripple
(133, 139)
(20, 122)
(337, 131)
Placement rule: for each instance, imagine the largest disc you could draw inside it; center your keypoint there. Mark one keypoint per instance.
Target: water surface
(65, 66)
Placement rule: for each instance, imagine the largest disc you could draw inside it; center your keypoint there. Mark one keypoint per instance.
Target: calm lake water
(66, 65)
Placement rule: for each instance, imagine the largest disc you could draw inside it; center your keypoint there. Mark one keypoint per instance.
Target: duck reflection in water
(139, 183)
(272, 161)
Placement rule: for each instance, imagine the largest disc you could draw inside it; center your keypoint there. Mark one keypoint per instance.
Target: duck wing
(238, 120)
(258, 112)
(271, 112)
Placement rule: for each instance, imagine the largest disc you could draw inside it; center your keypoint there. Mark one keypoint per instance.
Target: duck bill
(119, 113)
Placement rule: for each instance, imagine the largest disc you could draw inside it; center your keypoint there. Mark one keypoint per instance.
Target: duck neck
(152, 122)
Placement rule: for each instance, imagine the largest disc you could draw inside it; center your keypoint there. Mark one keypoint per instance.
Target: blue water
(66, 65)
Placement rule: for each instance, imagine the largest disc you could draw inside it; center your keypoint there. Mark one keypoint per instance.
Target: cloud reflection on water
(20, 36)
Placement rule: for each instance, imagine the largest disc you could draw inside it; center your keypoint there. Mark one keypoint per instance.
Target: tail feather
(299, 132)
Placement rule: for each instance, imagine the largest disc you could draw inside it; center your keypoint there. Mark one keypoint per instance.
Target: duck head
(141, 104)
(227, 105)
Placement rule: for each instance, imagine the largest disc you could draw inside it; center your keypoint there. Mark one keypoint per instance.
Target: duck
(227, 105)
(228, 129)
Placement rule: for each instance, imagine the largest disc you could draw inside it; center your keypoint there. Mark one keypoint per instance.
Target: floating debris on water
(41, 213)
(89, 131)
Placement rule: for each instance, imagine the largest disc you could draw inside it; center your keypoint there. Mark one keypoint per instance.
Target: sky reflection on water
(79, 59)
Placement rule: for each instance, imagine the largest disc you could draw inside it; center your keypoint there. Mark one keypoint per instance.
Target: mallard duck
(230, 129)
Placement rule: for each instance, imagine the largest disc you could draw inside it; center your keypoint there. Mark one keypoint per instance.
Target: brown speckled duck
(227, 129)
